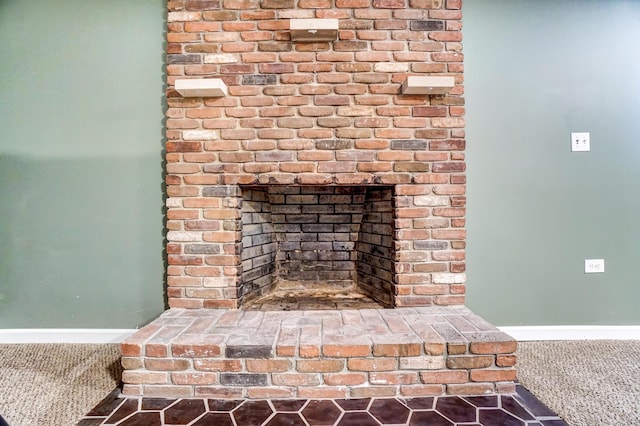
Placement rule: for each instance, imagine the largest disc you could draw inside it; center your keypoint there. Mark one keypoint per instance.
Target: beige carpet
(54, 384)
(588, 383)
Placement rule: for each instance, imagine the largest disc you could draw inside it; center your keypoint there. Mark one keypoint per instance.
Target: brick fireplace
(316, 175)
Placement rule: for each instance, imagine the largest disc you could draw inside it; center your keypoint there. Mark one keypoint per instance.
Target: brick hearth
(319, 354)
(315, 171)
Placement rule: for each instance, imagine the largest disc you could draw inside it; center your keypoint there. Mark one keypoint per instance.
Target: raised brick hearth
(315, 172)
(319, 354)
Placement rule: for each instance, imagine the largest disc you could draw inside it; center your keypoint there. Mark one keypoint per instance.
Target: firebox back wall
(319, 113)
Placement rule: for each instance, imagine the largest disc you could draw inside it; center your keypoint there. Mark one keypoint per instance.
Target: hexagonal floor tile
(252, 413)
(389, 411)
(323, 412)
(218, 419)
(498, 417)
(456, 409)
(483, 401)
(420, 403)
(353, 404)
(127, 408)
(143, 419)
(151, 404)
(184, 411)
(286, 419)
(431, 418)
(359, 418)
(223, 404)
(510, 405)
(288, 404)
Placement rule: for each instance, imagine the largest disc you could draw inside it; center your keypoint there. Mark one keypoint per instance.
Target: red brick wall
(326, 113)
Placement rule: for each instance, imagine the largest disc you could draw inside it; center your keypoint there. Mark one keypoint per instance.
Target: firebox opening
(317, 247)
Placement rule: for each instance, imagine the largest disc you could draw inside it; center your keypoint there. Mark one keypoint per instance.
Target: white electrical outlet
(593, 266)
(580, 141)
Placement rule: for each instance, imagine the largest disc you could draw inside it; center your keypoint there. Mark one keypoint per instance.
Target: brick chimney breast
(315, 167)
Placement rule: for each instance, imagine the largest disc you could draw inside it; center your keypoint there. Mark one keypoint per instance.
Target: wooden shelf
(201, 87)
(313, 29)
(427, 85)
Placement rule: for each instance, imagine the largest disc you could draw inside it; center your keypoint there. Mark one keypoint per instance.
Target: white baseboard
(64, 335)
(574, 332)
(520, 333)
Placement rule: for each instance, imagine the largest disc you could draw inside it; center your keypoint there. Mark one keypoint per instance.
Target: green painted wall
(81, 151)
(535, 71)
(81, 133)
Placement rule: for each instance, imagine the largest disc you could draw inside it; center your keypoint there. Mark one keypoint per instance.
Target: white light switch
(580, 141)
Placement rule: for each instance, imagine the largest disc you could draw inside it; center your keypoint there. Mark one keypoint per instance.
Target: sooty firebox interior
(317, 247)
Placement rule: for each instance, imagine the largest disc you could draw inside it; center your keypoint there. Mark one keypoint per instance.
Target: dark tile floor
(521, 409)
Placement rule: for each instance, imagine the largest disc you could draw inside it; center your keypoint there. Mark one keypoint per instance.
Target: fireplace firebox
(334, 242)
